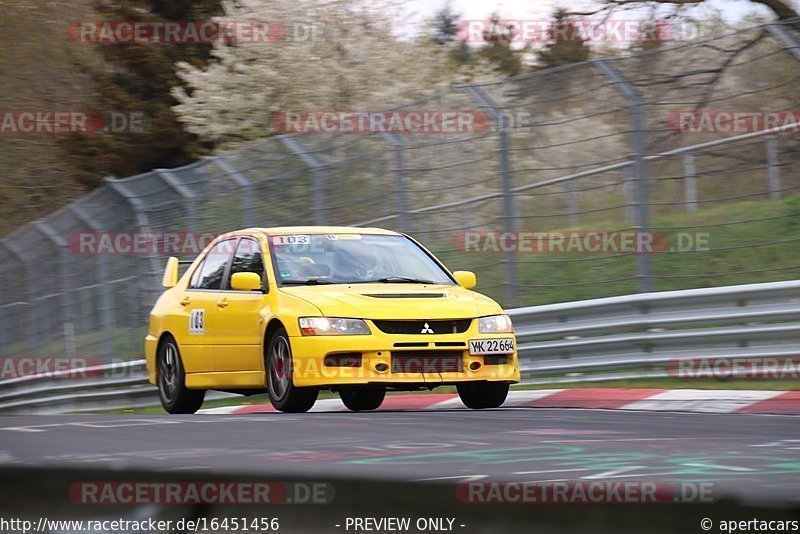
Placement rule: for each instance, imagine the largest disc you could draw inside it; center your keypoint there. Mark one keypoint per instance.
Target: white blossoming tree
(334, 55)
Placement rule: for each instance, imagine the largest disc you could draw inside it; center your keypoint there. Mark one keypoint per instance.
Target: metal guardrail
(646, 331)
(616, 338)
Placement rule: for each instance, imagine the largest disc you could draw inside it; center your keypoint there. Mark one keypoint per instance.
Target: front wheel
(283, 394)
(172, 391)
(362, 399)
(479, 395)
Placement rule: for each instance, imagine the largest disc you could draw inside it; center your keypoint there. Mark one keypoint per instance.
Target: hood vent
(404, 295)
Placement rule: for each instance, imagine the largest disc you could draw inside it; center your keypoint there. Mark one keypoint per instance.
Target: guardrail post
(638, 130)
(106, 300)
(773, 168)
(33, 341)
(318, 185)
(66, 290)
(690, 182)
(509, 215)
(187, 196)
(246, 186)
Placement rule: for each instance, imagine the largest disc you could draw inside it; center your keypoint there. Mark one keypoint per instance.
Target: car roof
(284, 230)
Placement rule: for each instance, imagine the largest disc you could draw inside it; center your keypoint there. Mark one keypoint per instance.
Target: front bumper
(309, 352)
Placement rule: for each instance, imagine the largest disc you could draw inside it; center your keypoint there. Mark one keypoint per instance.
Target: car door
(201, 333)
(240, 320)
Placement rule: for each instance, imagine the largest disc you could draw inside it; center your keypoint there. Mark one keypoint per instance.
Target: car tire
(480, 395)
(362, 399)
(283, 394)
(175, 397)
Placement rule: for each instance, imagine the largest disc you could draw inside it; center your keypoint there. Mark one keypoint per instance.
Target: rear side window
(214, 265)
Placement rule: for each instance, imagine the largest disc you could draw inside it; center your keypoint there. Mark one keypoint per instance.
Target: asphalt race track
(752, 457)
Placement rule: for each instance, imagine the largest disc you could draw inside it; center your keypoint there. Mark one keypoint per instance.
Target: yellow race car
(294, 310)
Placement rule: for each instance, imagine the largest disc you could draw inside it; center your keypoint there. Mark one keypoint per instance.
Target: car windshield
(353, 259)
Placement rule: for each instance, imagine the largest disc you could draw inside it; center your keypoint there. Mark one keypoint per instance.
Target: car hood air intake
(404, 295)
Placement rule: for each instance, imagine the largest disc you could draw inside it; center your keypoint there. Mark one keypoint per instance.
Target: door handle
(186, 301)
(222, 303)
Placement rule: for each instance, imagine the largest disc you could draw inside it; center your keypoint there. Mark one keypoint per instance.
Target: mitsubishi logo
(426, 329)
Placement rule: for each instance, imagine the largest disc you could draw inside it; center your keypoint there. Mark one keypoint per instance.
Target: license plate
(491, 346)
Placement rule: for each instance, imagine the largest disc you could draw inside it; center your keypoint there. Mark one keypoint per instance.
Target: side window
(248, 258)
(214, 265)
(194, 281)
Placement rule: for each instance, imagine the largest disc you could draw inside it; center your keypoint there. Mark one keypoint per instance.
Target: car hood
(396, 301)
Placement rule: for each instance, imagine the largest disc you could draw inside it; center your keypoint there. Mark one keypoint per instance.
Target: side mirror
(170, 278)
(467, 279)
(245, 281)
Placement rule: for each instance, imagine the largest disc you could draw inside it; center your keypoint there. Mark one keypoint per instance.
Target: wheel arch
(161, 339)
(272, 326)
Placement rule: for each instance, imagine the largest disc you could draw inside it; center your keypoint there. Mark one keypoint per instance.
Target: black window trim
(413, 241)
(264, 279)
(224, 280)
(225, 283)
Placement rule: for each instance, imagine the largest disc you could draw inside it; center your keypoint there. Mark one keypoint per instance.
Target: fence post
(30, 290)
(572, 204)
(151, 287)
(628, 187)
(785, 38)
(773, 167)
(187, 196)
(638, 130)
(5, 339)
(106, 299)
(400, 192)
(506, 182)
(68, 328)
(317, 177)
(246, 185)
(690, 181)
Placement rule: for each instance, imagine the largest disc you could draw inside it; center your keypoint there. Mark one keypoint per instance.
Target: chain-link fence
(648, 144)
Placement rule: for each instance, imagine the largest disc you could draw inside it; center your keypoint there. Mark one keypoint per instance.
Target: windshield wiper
(403, 280)
(310, 282)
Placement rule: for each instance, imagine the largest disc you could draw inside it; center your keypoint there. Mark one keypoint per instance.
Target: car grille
(457, 326)
(428, 361)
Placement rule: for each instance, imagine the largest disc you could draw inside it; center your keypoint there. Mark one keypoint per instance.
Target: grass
(764, 249)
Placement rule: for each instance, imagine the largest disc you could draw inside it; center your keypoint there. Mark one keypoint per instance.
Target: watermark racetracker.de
(65, 122)
(579, 241)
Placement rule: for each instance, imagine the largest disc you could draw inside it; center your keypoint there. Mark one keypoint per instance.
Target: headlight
(332, 326)
(495, 324)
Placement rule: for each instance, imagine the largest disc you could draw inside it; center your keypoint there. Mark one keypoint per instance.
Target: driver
(355, 260)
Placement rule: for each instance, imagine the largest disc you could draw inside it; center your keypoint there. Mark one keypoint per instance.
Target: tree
(499, 50)
(445, 32)
(138, 78)
(342, 55)
(781, 8)
(445, 24)
(565, 45)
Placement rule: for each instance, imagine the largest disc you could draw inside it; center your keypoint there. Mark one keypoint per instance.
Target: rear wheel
(478, 395)
(363, 399)
(175, 396)
(283, 394)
